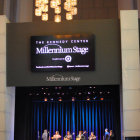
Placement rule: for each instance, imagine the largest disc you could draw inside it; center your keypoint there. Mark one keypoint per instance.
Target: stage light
(90, 87)
(73, 99)
(94, 87)
(37, 94)
(108, 92)
(49, 94)
(88, 99)
(42, 88)
(51, 99)
(58, 93)
(60, 99)
(58, 10)
(30, 94)
(101, 99)
(45, 99)
(45, 1)
(100, 92)
(74, 11)
(89, 93)
(53, 4)
(79, 93)
(44, 17)
(45, 9)
(41, 7)
(38, 12)
(44, 93)
(69, 16)
(37, 3)
(94, 98)
(58, 2)
(63, 93)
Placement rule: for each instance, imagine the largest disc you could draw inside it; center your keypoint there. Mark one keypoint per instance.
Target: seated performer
(106, 137)
(68, 136)
(56, 136)
(80, 136)
(45, 135)
(92, 136)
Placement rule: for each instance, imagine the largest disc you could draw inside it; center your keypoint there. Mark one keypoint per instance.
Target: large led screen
(63, 53)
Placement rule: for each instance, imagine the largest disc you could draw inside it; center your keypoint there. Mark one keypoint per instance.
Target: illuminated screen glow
(62, 53)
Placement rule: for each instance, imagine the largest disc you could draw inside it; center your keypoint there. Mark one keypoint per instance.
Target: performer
(111, 135)
(68, 136)
(92, 136)
(106, 137)
(45, 135)
(56, 136)
(85, 134)
(80, 136)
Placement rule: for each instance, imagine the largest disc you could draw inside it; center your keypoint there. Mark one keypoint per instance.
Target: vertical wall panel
(130, 72)
(7, 95)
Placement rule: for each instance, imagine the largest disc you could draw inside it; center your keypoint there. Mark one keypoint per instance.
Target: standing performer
(68, 136)
(92, 136)
(106, 134)
(80, 136)
(45, 135)
(56, 136)
(111, 135)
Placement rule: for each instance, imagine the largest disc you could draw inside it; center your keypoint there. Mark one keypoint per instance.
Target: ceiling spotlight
(42, 88)
(49, 94)
(79, 93)
(94, 87)
(108, 92)
(55, 87)
(45, 99)
(37, 94)
(58, 93)
(60, 87)
(60, 99)
(88, 99)
(89, 93)
(94, 98)
(30, 94)
(73, 99)
(100, 92)
(51, 99)
(90, 87)
(101, 99)
(44, 93)
(63, 93)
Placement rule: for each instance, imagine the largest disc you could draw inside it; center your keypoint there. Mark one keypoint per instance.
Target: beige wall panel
(130, 59)
(131, 99)
(132, 120)
(2, 82)
(2, 102)
(130, 39)
(129, 19)
(131, 79)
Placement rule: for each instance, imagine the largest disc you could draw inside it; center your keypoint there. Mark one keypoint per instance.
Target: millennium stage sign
(62, 53)
(61, 78)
